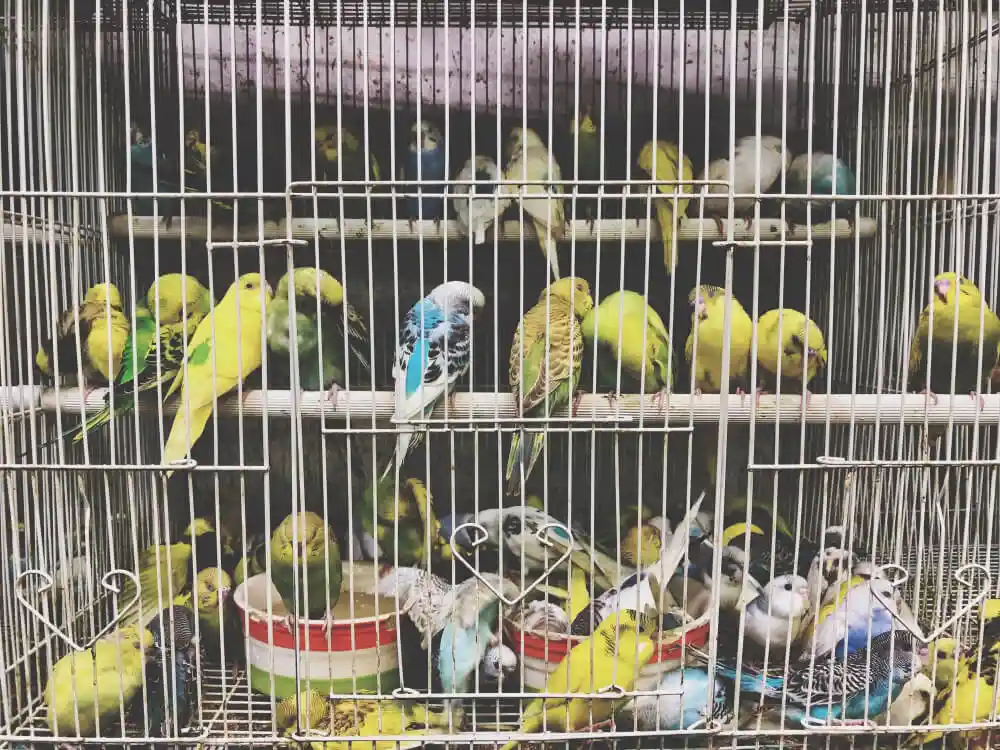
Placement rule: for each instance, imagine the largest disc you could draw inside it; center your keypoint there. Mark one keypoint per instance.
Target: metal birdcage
(700, 551)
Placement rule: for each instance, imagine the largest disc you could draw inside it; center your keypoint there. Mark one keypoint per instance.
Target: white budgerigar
(477, 214)
(855, 616)
(775, 618)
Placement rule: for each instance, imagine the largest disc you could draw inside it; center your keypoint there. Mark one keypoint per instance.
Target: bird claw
(591, 223)
(612, 398)
(601, 725)
(747, 223)
(929, 395)
(719, 227)
(982, 401)
(660, 399)
(742, 394)
(760, 392)
(575, 405)
(328, 624)
(332, 393)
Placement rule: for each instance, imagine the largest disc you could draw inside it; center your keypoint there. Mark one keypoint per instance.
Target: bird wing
(534, 165)
(551, 346)
(140, 348)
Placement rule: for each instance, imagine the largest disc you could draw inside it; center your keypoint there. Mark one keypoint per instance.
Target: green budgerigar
(588, 165)
(96, 685)
(648, 364)
(412, 509)
(545, 362)
(323, 319)
(211, 588)
(341, 155)
(304, 547)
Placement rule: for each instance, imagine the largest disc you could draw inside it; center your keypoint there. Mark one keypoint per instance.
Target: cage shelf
(627, 410)
(605, 230)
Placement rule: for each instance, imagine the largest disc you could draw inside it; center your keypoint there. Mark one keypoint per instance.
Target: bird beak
(224, 593)
(941, 290)
(814, 354)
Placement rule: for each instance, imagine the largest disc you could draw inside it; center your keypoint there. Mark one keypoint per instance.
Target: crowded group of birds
(844, 628)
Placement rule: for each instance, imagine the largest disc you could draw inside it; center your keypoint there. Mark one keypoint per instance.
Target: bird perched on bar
(477, 214)
(224, 345)
(663, 162)
(95, 685)
(588, 164)
(755, 168)
(619, 649)
(528, 159)
(330, 336)
(545, 360)
(341, 156)
(304, 548)
(172, 676)
(776, 616)
(820, 174)
(836, 690)
(684, 702)
(103, 330)
(628, 332)
(409, 514)
(790, 342)
(955, 301)
(425, 162)
(433, 353)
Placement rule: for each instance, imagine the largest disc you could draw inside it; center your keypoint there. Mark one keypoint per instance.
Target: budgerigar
(785, 558)
(775, 618)
(945, 654)
(642, 346)
(644, 537)
(171, 676)
(913, 705)
(974, 698)
(517, 529)
(529, 159)
(545, 360)
(616, 653)
(469, 631)
(499, 661)
(225, 344)
(399, 523)
(845, 624)
(684, 702)
(96, 686)
(433, 353)
(211, 589)
(821, 174)
(669, 166)
(799, 348)
(588, 164)
(423, 597)
(323, 319)
(635, 593)
(103, 329)
(754, 160)
(305, 553)
(954, 297)
(477, 214)
(341, 155)
(425, 162)
(836, 690)
(737, 586)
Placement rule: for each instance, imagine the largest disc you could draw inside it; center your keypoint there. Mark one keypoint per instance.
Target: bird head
(329, 139)
(788, 596)
(703, 298)
(521, 139)
(907, 654)
(178, 297)
(806, 350)
(297, 535)
(307, 280)
(573, 289)
(457, 296)
(104, 294)
(946, 286)
(628, 634)
(425, 136)
(198, 527)
(585, 124)
(248, 286)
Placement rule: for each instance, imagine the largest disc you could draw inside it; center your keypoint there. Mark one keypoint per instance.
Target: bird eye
(788, 586)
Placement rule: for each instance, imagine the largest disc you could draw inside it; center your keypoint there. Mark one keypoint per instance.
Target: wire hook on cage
(108, 581)
(961, 576)
(543, 537)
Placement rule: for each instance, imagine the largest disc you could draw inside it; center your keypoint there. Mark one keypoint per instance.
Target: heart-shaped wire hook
(964, 580)
(108, 581)
(543, 537)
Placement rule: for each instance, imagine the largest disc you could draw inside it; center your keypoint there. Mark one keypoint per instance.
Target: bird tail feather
(548, 245)
(522, 453)
(665, 217)
(177, 443)
(751, 681)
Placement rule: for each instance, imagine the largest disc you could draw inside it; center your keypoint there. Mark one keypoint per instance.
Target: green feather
(139, 346)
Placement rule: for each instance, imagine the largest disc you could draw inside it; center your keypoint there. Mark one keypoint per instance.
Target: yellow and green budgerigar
(799, 347)
(96, 685)
(944, 656)
(103, 329)
(545, 361)
(165, 571)
(642, 347)
(643, 538)
(211, 589)
(975, 697)
(153, 353)
(411, 511)
(955, 299)
(306, 567)
(326, 310)
(615, 654)
(669, 166)
(227, 343)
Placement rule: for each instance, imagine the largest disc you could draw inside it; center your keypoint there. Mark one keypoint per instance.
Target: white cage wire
(218, 138)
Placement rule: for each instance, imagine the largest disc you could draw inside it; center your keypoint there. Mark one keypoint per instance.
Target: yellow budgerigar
(104, 329)
(708, 318)
(234, 353)
(669, 166)
(798, 346)
(619, 648)
(96, 685)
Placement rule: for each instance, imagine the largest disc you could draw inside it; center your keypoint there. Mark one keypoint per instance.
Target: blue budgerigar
(170, 677)
(433, 353)
(821, 174)
(836, 690)
(684, 703)
(425, 160)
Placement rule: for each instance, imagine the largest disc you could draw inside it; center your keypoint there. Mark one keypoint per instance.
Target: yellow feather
(237, 353)
(709, 318)
(738, 529)
(829, 609)
(771, 349)
(669, 167)
(579, 592)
